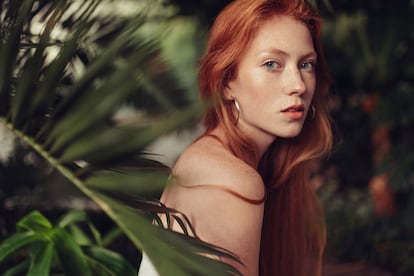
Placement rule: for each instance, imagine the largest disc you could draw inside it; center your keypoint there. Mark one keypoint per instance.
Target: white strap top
(147, 268)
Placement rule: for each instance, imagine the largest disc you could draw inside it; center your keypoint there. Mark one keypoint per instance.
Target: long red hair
(293, 233)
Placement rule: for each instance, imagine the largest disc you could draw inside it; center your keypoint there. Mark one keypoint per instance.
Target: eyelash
(311, 63)
(274, 65)
(270, 65)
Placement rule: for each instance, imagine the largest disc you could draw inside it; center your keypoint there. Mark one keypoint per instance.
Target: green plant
(65, 247)
(67, 118)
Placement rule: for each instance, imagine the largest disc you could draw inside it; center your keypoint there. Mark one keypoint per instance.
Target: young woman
(244, 183)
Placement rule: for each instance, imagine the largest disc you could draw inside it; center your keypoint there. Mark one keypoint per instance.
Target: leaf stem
(67, 173)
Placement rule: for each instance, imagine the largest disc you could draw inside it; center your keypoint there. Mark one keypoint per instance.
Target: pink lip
(294, 112)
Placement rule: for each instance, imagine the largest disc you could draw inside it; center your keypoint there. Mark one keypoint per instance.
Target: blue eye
(271, 65)
(309, 65)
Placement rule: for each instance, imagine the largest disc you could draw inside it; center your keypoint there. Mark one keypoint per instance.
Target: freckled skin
(277, 71)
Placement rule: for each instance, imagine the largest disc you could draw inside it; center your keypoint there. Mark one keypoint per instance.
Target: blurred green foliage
(68, 68)
(74, 246)
(369, 200)
(368, 190)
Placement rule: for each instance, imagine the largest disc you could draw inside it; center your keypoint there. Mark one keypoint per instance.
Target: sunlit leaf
(35, 221)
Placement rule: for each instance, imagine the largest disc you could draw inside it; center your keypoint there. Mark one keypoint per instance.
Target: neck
(261, 139)
(260, 146)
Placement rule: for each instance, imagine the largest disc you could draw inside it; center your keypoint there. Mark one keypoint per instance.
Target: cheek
(249, 86)
(260, 84)
(311, 86)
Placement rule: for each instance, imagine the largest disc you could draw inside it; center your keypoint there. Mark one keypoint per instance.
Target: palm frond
(71, 123)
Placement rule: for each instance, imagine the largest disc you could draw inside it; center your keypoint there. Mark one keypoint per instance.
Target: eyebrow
(311, 54)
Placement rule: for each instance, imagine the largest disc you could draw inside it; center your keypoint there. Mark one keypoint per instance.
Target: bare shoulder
(208, 162)
(212, 186)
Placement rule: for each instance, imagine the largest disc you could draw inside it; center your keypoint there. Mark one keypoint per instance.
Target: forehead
(283, 33)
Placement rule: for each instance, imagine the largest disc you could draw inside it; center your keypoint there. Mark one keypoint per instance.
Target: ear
(228, 93)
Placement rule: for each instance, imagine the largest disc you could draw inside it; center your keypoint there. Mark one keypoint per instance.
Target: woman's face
(275, 81)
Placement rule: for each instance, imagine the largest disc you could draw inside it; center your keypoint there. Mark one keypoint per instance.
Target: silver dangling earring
(313, 109)
(236, 104)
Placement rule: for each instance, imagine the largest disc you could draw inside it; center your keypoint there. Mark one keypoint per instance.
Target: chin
(290, 134)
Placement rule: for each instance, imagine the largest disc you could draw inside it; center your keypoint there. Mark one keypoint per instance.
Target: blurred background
(366, 185)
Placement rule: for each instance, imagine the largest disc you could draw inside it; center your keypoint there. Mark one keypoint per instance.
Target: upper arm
(218, 216)
(227, 221)
(223, 219)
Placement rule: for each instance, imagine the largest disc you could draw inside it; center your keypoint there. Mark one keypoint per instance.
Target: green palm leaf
(42, 260)
(71, 126)
(17, 269)
(70, 254)
(108, 262)
(16, 241)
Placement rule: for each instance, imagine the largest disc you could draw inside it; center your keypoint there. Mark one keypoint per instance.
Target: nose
(294, 83)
